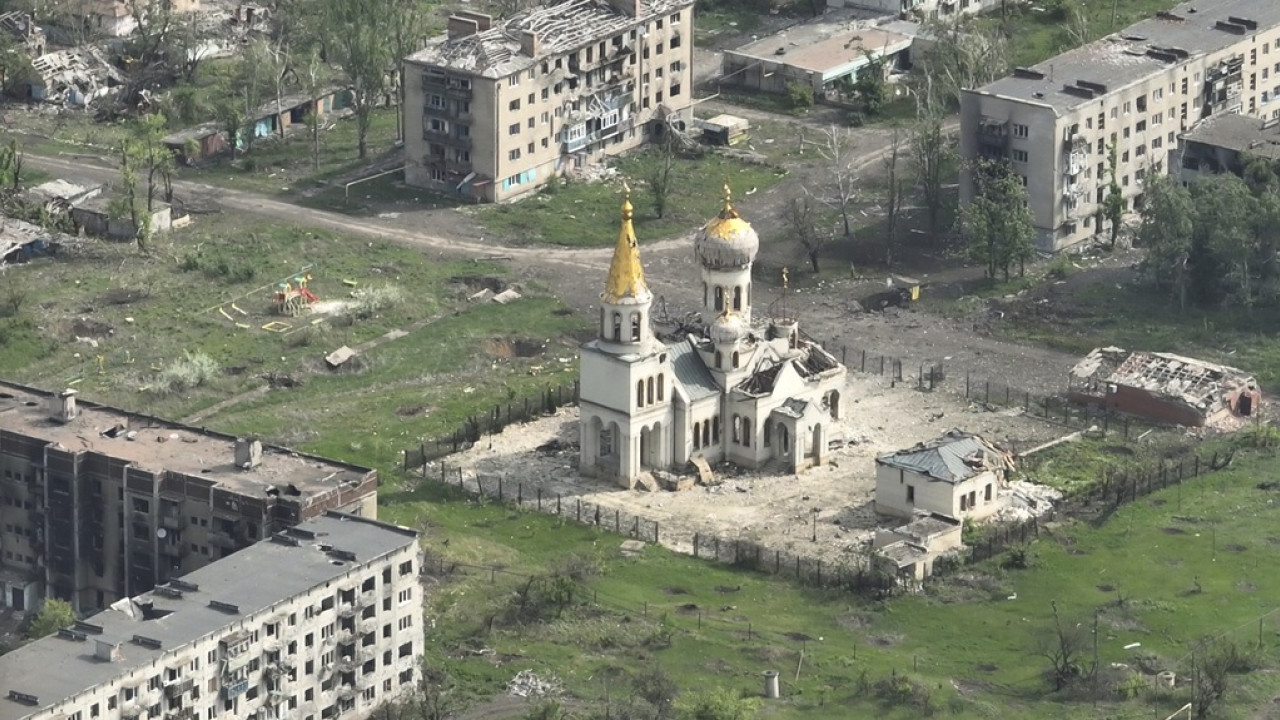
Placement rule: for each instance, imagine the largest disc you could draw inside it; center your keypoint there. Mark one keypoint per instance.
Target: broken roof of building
(954, 457)
(1197, 383)
(560, 28)
(1238, 133)
(15, 234)
(203, 602)
(82, 72)
(690, 372)
(159, 445)
(1143, 49)
(814, 49)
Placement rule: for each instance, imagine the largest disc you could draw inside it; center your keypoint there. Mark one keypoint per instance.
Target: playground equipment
(293, 298)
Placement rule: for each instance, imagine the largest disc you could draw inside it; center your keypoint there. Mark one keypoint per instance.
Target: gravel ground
(774, 510)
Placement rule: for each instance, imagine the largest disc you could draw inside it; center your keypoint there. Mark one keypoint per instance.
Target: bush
(375, 299)
(189, 371)
(799, 95)
(1060, 267)
(900, 690)
(54, 614)
(219, 267)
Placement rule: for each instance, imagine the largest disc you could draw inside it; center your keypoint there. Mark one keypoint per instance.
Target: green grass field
(1164, 572)
(137, 315)
(585, 214)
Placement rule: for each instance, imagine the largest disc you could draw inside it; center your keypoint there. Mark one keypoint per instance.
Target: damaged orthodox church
(749, 390)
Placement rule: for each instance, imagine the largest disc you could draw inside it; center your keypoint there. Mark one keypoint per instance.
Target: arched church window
(704, 294)
(697, 435)
(719, 298)
(639, 393)
(715, 429)
(649, 391)
(746, 432)
(768, 432)
(737, 429)
(719, 359)
(617, 326)
(735, 358)
(662, 383)
(737, 298)
(604, 329)
(706, 433)
(635, 327)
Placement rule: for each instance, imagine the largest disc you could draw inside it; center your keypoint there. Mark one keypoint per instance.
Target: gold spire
(728, 212)
(626, 275)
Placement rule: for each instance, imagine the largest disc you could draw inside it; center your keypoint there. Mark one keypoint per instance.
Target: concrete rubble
(528, 684)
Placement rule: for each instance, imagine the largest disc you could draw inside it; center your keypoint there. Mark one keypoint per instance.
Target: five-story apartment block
(496, 109)
(320, 621)
(1136, 91)
(98, 504)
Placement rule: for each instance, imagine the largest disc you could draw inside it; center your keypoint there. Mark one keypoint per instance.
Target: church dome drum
(728, 328)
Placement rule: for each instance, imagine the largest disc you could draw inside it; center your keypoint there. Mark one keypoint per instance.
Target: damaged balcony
(604, 118)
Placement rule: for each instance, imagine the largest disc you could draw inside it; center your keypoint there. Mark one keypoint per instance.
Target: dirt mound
(86, 327)
(498, 347)
(124, 296)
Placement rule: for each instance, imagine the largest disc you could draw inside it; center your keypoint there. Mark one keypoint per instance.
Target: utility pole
(1095, 657)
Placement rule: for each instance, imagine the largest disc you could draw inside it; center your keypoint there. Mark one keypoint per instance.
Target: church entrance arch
(833, 404)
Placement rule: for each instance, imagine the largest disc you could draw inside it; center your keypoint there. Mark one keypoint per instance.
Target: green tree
(997, 224)
(871, 87)
(364, 49)
(1221, 240)
(1165, 231)
(1113, 204)
(935, 158)
(128, 205)
(15, 62)
(716, 704)
(54, 614)
(10, 167)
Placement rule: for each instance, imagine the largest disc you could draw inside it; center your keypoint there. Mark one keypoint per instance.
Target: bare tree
(1078, 26)
(894, 195)
(432, 699)
(836, 148)
(801, 215)
(964, 55)
(313, 81)
(1063, 645)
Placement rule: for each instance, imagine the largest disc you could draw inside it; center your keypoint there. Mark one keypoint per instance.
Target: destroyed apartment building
(506, 106)
(1164, 387)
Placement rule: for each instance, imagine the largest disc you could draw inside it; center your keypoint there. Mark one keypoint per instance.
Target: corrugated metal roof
(690, 372)
(943, 458)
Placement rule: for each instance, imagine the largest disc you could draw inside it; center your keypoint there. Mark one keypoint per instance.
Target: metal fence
(530, 407)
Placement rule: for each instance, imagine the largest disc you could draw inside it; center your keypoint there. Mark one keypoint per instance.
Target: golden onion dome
(728, 241)
(728, 328)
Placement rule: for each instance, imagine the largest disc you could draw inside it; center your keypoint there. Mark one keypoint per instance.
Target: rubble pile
(528, 684)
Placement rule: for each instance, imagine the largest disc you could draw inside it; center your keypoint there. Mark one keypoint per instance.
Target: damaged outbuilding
(1164, 387)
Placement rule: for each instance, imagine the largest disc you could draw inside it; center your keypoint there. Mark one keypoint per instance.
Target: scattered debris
(339, 356)
(632, 548)
(527, 684)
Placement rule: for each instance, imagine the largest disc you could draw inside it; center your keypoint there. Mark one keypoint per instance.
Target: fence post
(539, 498)
(479, 485)
(557, 504)
(520, 493)
(617, 521)
(863, 366)
(695, 545)
(966, 384)
(655, 532)
(579, 501)
(499, 488)
(986, 397)
(777, 561)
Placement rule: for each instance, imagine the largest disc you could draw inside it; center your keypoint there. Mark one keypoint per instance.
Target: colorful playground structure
(293, 298)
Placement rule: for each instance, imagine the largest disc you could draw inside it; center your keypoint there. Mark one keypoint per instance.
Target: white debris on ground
(1027, 500)
(528, 684)
(772, 509)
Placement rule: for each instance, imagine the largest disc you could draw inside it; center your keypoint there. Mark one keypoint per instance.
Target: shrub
(189, 371)
(799, 95)
(900, 690)
(375, 299)
(1060, 267)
